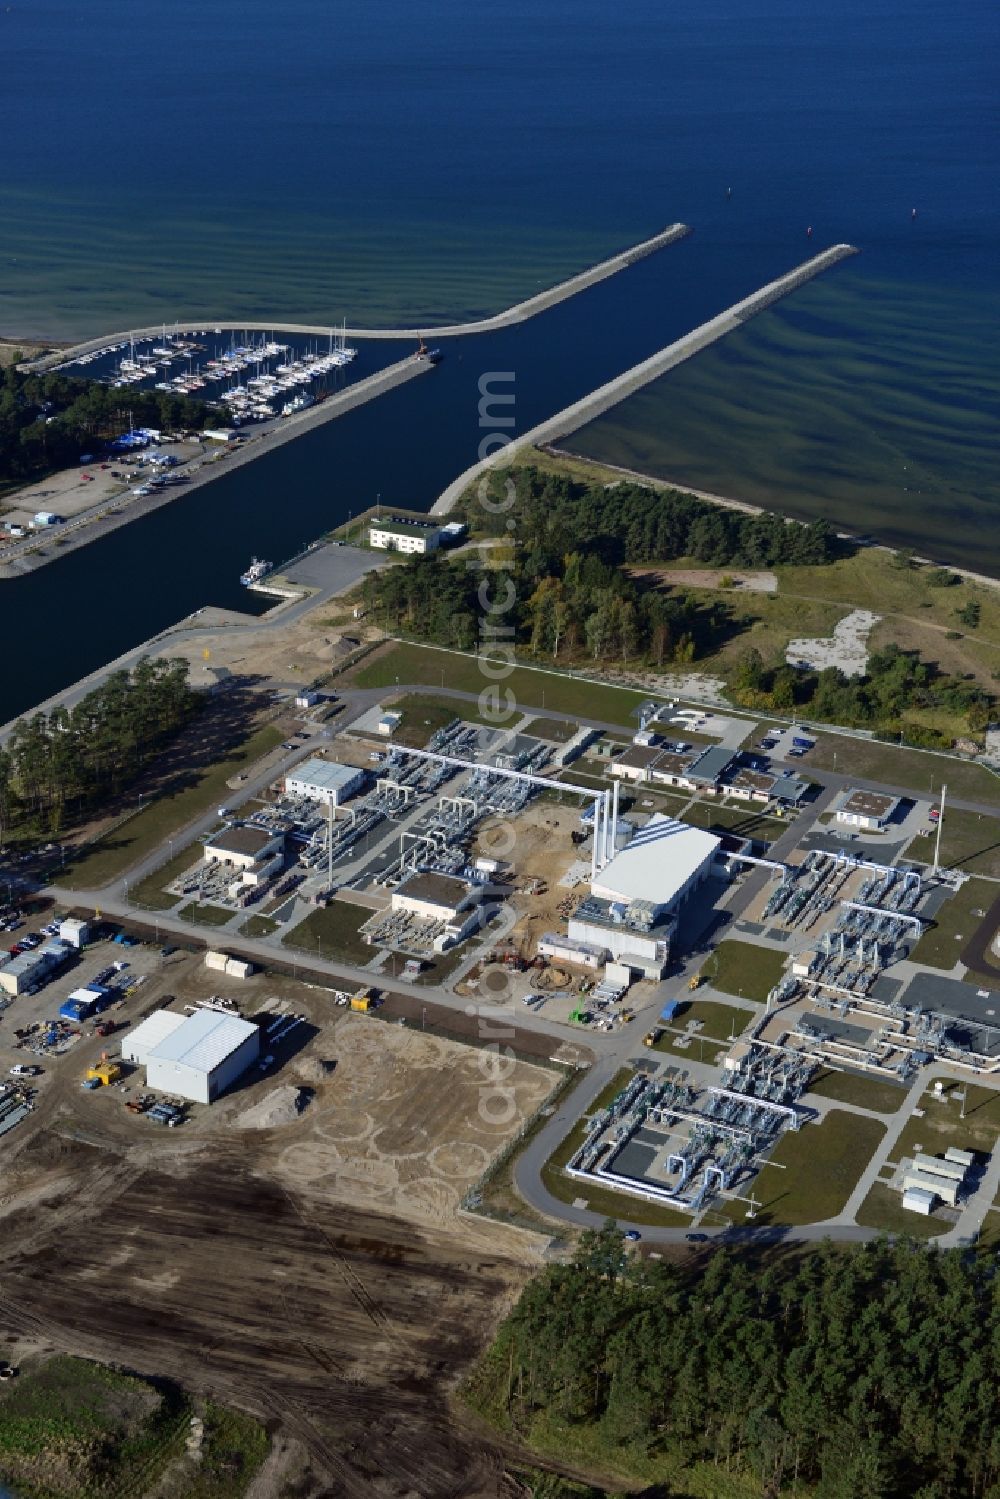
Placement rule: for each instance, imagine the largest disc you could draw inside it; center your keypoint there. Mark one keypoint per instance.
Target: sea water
(405, 164)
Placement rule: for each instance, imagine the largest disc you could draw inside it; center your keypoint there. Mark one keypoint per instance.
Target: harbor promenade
(606, 396)
(518, 313)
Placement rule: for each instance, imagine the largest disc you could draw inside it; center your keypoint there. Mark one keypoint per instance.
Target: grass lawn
(893, 765)
(741, 820)
(332, 932)
(532, 687)
(867, 1092)
(115, 853)
(669, 1042)
(970, 841)
(941, 944)
(424, 715)
(150, 892)
(941, 1125)
(718, 1021)
(823, 1163)
(259, 926)
(743, 968)
(206, 915)
(883, 1209)
(555, 730)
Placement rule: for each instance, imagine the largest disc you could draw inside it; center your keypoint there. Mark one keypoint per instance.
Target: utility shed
(941, 1186)
(919, 1200)
(199, 1059)
(137, 1045)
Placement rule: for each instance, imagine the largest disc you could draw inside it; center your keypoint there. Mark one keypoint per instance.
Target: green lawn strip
(151, 891)
(204, 915)
(718, 1021)
(867, 1092)
(744, 968)
(742, 820)
(970, 842)
(823, 1163)
(332, 932)
(440, 968)
(258, 926)
(894, 765)
(942, 943)
(532, 687)
(942, 1125)
(117, 851)
(883, 1209)
(611, 1204)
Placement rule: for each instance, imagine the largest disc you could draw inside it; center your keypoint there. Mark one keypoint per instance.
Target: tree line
(868, 1372)
(48, 421)
(58, 765)
(630, 523)
(893, 682)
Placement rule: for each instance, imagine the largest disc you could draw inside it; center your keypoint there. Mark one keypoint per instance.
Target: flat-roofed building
(636, 763)
(866, 809)
(706, 772)
(324, 781)
(256, 852)
(200, 1058)
(395, 534)
(435, 897)
(661, 865)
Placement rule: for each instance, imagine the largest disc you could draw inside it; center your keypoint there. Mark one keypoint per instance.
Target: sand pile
(281, 1106)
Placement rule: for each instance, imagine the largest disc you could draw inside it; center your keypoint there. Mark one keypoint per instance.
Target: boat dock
(518, 313)
(34, 551)
(606, 396)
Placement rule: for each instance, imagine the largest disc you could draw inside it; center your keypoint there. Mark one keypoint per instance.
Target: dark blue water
(407, 161)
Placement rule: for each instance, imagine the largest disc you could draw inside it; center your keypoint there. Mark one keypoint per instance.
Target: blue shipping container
(670, 1010)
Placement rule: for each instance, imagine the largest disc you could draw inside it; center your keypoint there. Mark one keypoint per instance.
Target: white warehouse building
(324, 781)
(661, 865)
(193, 1056)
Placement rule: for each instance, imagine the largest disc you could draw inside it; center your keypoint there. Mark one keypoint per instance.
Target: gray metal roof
(711, 765)
(204, 1040)
(328, 775)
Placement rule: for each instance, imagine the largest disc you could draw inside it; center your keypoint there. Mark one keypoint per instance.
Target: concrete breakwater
(518, 313)
(36, 551)
(606, 396)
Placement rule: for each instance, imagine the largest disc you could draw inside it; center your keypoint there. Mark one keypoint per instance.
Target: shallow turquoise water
(870, 402)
